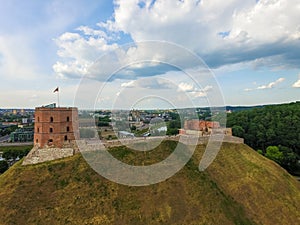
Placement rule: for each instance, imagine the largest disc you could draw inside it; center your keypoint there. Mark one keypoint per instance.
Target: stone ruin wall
(39, 155)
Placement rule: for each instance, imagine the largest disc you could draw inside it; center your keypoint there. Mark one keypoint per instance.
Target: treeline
(174, 124)
(11, 154)
(103, 121)
(8, 130)
(273, 125)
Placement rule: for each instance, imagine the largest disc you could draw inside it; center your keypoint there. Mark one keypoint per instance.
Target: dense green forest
(273, 130)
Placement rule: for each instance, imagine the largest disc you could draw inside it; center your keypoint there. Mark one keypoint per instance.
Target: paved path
(16, 144)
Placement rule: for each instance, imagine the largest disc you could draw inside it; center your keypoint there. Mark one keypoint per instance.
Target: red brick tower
(55, 126)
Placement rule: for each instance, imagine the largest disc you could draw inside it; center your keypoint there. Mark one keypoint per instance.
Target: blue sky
(250, 52)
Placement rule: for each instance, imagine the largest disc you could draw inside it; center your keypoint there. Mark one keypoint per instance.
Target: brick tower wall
(55, 126)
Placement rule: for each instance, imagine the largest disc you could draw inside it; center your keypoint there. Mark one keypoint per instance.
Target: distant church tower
(55, 126)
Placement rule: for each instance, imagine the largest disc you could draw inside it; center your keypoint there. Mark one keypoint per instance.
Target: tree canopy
(3, 166)
(272, 125)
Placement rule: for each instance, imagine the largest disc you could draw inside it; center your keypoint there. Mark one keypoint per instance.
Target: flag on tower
(57, 90)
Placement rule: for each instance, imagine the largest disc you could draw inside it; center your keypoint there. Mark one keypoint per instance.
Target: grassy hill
(240, 187)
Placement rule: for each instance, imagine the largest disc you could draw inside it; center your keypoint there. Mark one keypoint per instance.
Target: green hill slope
(240, 187)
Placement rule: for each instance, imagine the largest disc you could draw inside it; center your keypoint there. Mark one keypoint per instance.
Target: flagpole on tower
(58, 99)
(57, 90)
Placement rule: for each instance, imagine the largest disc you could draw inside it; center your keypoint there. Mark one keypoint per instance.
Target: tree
(103, 124)
(273, 153)
(289, 160)
(23, 153)
(9, 154)
(173, 126)
(3, 166)
(260, 151)
(172, 131)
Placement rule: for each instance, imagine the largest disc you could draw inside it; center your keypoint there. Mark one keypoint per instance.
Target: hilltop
(239, 187)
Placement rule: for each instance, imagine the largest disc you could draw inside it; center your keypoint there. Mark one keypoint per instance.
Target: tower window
(51, 119)
(51, 130)
(68, 129)
(37, 141)
(68, 119)
(38, 130)
(66, 137)
(38, 119)
(50, 141)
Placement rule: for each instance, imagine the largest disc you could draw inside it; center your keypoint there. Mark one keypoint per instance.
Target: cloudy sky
(155, 53)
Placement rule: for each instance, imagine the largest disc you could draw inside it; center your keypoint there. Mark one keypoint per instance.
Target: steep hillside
(240, 187)
(267, 192)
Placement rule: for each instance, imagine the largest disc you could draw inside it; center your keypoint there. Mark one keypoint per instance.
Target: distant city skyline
(251, 47)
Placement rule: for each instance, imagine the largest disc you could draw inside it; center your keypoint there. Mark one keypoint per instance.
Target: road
(16, 144)
(4, 138)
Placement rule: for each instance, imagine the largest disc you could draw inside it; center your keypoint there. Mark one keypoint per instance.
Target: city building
(24, 134)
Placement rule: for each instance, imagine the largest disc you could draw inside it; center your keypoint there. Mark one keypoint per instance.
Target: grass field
(240, 187)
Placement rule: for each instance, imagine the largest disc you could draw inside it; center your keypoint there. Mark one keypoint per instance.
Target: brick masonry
(55, 132)
(55, 126)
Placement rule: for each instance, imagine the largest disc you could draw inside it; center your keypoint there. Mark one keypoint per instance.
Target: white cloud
(271, 85)
(79, 51)
(68, 36)
(198, 94)
(92, 32)
(193, 91)
(207, 88)
(267, 22)
(171, 20)
(222, 32)
(201, 93)
(185, 87)
(128, 84)
(149, 83)
(297, 84)
(266, 86)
